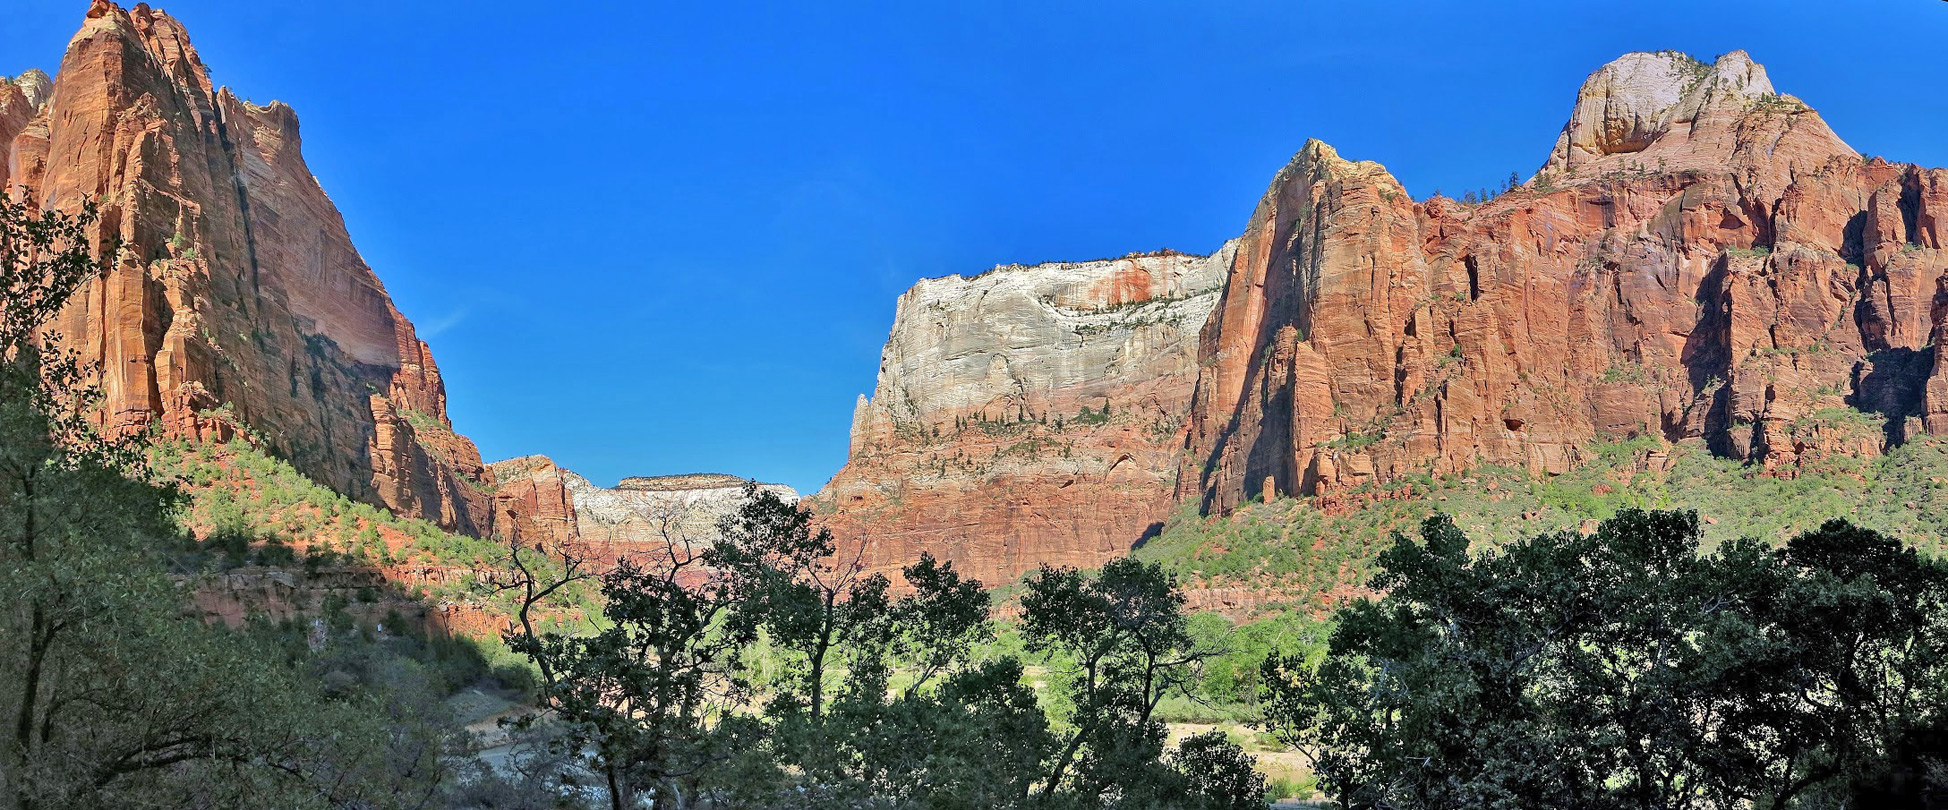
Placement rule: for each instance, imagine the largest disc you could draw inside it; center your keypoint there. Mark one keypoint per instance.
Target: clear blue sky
(651, 238)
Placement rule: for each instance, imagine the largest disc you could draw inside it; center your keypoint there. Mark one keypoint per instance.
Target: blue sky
(653, 238)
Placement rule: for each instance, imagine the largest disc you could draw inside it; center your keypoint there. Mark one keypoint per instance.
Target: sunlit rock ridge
(237, 304)
(1699, 258)
(1027, 414)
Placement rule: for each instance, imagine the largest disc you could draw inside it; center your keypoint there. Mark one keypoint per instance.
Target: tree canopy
(1630, 668)
(770, 669)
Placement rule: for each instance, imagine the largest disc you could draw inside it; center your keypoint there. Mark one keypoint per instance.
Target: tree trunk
(815, 678)
(37, 644)
(615, 787)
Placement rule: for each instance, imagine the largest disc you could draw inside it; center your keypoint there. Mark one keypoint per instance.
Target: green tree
(1844, 673)
(1125, 643)
(953, 732)
(650, 694)
(111, 695)
(935, 628)
(1625, 668)
(786, 579)
(1217, 773)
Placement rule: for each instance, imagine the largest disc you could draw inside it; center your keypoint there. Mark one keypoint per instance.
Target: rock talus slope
(236, 299)
(1028, 414)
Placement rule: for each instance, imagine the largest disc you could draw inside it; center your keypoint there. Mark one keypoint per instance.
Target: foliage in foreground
(875, 701)
(1626, 669)
(111, 695)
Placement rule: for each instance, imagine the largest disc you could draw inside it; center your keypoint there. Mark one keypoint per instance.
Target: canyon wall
(1028, 414)
(236, 301)
(1700, 258)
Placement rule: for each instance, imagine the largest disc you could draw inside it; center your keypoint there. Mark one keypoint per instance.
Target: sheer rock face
(237, 298)
(637, 516)
(1028, 414)
(1698, 259)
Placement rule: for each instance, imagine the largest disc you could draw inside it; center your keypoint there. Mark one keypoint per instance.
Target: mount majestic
(1699, 258)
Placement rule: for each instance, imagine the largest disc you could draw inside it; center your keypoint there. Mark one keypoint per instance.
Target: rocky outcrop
(532, 502)
(1028, 414)
(644, 515)
(1700, 258)
(36, 86)
(21, 101)
(236, 300)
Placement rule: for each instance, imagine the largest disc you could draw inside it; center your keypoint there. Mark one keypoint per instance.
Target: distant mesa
(691, 481)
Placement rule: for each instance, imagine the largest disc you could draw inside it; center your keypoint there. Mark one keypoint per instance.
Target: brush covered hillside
(1313, 554)
(1701, 270)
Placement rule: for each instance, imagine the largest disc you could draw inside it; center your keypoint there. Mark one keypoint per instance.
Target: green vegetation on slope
(115, 695)
(248, 507)
(1318, 556)
(236, 488)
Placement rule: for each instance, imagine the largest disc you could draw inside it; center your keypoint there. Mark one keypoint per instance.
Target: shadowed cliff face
(237, 298)
(1699, 258)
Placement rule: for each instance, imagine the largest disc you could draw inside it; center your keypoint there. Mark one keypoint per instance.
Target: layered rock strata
(1028, 414)
(236, 299)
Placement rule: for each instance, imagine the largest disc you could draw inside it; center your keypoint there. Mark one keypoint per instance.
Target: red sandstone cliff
(1700, 258)
(237, 297)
